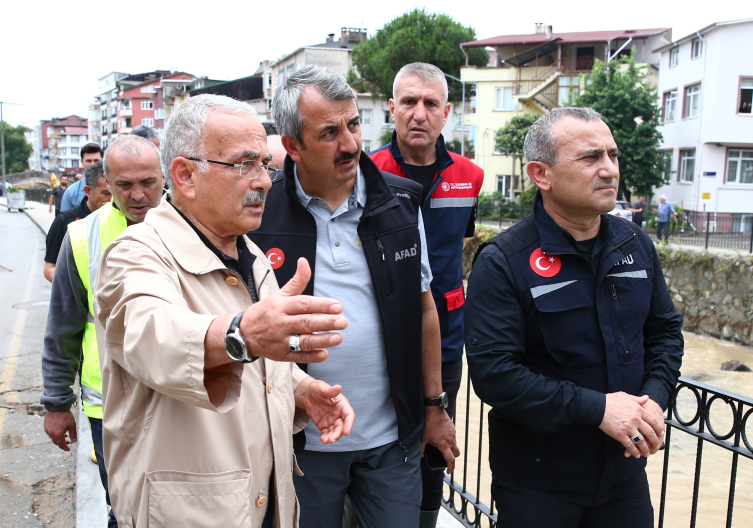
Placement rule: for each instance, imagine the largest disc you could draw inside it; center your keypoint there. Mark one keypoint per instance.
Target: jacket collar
(182, 241)
(443, 156)
(378, 194)
(553, 240)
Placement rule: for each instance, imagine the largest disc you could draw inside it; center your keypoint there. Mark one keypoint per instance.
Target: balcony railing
(578, 64)
(689, 414)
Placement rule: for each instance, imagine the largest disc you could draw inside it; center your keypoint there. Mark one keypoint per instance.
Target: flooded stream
(702, 361)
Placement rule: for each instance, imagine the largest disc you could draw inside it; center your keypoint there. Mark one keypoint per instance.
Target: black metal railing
(497, 211)
(721, 230)
(690, 413)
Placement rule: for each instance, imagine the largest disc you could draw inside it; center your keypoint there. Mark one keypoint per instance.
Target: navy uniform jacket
(449, 207)
(547, 337)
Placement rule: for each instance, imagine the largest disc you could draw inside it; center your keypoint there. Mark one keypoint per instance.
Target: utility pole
(2, 138)
(462, 118)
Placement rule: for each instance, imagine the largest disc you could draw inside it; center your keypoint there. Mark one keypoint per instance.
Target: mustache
(252, 197)
(345, 156)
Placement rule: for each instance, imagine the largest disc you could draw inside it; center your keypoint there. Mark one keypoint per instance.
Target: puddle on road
(702, 361)
(32, 305)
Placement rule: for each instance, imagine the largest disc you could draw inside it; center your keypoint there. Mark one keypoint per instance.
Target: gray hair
(428, 73)
(127, 143)
(185, 129)
(145, 132)
(285, 111)
(541, 144)
(94, 173)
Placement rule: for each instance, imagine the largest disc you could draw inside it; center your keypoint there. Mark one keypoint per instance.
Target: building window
(147, 105)
(503, 184)
(366, 145)
(665, 163)
(147, 89)
(687, 165)
(159, 113)
(365, 117)
(740, 166)
(147, 121)
(692, 98)
(568, 86)
(75, 151)
(670, 106)
(388, 119)
(746, 96)
(74, 163)
(696, 49)
(503, 99)
(674, 57)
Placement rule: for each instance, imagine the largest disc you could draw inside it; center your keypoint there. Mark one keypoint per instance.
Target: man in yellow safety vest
(133, 172)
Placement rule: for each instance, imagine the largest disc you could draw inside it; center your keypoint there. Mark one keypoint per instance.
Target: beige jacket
(173, 458)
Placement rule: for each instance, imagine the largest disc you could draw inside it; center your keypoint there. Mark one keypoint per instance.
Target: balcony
(578, 64)
(125, 130)
(126, 112)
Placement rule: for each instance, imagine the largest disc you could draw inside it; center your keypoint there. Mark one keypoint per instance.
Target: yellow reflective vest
(89, 237)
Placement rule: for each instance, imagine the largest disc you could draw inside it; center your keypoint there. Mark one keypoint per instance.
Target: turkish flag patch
(545, 265)
(276, 257)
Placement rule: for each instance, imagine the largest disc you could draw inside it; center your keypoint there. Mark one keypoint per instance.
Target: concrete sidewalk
(91, 508)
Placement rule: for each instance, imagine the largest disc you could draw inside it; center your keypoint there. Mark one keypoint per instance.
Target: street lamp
(462, 118)
(2, 138)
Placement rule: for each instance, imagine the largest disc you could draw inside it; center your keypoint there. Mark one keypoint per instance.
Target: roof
(243, 89)
(702, 31)
(528, 55)
(565, 38)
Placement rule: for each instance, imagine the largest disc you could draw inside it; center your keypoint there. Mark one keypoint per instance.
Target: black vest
(389, 234)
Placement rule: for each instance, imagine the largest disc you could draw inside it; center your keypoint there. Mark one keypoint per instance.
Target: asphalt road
(37, 480)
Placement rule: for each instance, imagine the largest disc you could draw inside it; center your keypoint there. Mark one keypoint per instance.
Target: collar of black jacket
(379, 196)
(444, 159)
(554, 242)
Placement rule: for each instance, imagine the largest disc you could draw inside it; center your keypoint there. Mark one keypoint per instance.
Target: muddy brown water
(702, 361)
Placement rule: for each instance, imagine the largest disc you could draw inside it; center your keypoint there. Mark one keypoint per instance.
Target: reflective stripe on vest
(89, 237)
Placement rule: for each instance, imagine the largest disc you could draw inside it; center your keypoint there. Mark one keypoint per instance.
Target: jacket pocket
(455, 299)
(178, 498)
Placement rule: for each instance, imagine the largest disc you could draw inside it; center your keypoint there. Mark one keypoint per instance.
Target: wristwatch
(235, 345)
(440, 401)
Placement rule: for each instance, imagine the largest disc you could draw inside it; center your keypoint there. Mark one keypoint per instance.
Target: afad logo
(545, 265)
(276, 257)
(445, 186)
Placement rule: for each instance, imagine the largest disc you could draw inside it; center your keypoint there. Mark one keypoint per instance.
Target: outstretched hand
(267, 325)
(328, 409)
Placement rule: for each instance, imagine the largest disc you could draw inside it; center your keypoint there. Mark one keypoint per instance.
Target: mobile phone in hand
(434, 458)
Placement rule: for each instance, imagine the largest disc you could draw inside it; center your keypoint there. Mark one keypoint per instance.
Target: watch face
(234, 347)
(445, 400)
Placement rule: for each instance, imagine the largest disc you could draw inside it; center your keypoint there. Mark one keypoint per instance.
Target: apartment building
(59, 143)
(143, 103)
(706, 90)
(536, 72)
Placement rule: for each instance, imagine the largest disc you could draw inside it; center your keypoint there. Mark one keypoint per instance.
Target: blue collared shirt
(665, 209)
(73, 195)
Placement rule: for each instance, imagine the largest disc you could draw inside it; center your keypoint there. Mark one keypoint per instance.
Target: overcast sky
(53, 53)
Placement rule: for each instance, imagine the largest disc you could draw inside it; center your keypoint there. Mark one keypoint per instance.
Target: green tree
(510, 138)
(454, 146)
(17, 149)
(620, 92)
(416, 36)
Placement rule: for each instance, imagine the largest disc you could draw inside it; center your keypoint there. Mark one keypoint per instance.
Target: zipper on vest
(380, 247)
(405, 451)
(619, 317)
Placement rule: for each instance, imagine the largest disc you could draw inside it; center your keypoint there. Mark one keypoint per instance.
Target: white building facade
(706, 90)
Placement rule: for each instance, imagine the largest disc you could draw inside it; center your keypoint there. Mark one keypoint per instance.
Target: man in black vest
(362, 233)
(573, 340)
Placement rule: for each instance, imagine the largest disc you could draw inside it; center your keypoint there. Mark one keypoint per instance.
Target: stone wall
(713, 292)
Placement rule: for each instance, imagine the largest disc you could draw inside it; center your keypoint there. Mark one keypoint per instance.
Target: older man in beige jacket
(201, 397)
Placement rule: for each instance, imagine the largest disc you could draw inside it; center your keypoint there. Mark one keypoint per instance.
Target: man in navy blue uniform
(450, 187)
(573, 340)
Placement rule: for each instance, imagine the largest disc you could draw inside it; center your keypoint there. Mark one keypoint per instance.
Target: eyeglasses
(249, 169)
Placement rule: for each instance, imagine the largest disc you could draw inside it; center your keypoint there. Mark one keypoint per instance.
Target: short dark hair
(94, 173)
(271, 129)
(145, 132)
(91, 148)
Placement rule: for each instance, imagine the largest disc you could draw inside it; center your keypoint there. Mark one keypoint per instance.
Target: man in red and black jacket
(451, 184)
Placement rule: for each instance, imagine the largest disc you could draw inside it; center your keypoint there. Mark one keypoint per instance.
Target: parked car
(622, 209)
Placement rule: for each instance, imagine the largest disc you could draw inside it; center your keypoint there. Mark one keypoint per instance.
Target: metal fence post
(750, 244)
(708, 220)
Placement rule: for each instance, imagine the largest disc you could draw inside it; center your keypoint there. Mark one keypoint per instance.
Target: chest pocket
(630, 291)
(567, 321)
